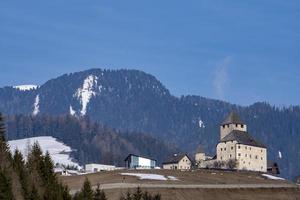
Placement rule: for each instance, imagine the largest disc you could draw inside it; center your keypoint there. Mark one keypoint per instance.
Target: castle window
(221, 157)
(249, 163)
(221, 149)
(230, 155)
(236, 125)
(245, 147)
(245, 155)
(227, 125)
(261, 158)
(223, 126)
(231, 148)
(239, 147)
(250, 148)
(250, 155)
(224, 149)
(239, 154)
(256, 157)
(261, 150)
(242, 125)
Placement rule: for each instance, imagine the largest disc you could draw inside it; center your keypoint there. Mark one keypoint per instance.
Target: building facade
(98, 167)
(237, 146)
(178, 161)
(139, 162)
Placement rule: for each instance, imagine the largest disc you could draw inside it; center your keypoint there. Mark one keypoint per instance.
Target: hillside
(58, 151)
(196, 185)
(130, 100)
(90, 141)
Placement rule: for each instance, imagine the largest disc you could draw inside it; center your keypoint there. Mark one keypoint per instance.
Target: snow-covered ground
(151, 176)
(59, 152)
(25, 87)
(272, 177)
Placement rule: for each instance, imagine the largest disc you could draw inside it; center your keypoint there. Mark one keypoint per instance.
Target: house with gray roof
(178, 161)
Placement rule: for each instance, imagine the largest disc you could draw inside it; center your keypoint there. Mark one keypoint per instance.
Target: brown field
(230, 185)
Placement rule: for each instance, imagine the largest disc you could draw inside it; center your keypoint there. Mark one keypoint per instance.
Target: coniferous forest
(33, 178)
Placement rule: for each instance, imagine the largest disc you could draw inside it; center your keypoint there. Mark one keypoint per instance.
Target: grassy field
(284, 191)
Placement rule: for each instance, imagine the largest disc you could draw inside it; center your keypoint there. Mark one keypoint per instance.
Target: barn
(133, 161)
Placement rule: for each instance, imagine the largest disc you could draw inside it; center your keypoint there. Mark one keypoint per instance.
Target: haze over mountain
(133, 101)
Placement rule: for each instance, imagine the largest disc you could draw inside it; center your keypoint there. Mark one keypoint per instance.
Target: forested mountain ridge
(91, 142)
(130, 100)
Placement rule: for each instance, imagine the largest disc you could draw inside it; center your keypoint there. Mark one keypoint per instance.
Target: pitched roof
(232, 118)
(242, 137)
(176, 158)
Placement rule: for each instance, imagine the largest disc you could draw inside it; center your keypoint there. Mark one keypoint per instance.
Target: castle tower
(231, 123)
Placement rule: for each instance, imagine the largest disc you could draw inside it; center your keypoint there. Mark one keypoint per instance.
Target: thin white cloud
(221, 77)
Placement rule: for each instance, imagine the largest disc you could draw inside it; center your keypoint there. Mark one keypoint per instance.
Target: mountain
(133, 101)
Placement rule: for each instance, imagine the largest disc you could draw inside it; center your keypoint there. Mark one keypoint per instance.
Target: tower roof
(232, 118)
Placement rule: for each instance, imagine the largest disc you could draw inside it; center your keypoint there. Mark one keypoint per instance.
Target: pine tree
(138, 194)
(4, 149)
(5, 187)
(34, 194)
(19, 167)
(99, 194)
(87, 192)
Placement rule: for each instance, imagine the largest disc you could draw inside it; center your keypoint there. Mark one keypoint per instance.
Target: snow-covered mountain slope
(25, 87)
(59, 152)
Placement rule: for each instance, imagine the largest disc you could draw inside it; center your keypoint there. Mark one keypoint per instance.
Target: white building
(98, 167)
(139, 162)
(237, 145)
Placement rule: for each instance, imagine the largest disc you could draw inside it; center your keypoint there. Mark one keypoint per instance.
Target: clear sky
(238, 51)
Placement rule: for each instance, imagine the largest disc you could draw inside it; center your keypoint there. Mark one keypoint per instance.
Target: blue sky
(238, 51)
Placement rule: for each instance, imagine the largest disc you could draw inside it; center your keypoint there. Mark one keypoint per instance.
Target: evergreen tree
(19, 167)
(99, 194)
(5, 187)
(138, 194)
(87, 192)
(4, 149)
(34, 194)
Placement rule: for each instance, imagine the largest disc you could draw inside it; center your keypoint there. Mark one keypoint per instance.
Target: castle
(236, 148)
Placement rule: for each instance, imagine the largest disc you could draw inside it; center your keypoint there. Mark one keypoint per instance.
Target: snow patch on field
(59, 152)
(85, 93)
(25, 87)
(272, 177)
(36, 105)
(151, 176)
(172, 178)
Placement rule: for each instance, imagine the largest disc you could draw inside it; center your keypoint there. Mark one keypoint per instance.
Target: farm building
(178, 161)
(133, 161)
(98, 167)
